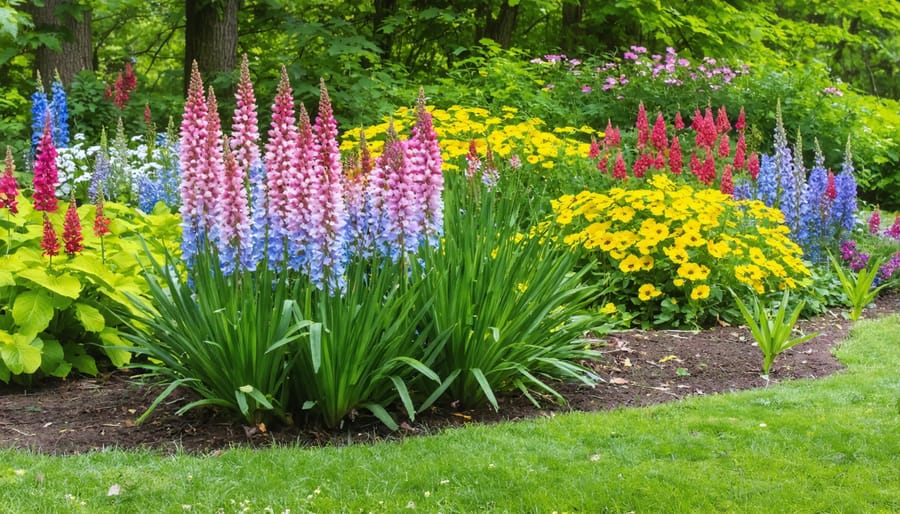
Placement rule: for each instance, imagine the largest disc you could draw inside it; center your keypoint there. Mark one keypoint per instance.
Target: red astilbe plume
(753, 165)
(724, 146)
(49, 242)
(740, 153)
(658, 137)
(726, 186)
(619, 170)
(71, 236)
(679, 122)
(741, 122)
(245, 122)
(643, 127)
(676, 163)
(722, 123)
(46, 174)
(9, 190)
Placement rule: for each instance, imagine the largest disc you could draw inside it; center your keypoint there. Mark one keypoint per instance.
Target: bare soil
(639, 368)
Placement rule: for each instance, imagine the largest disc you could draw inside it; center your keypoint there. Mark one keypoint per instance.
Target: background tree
(63, 32)
(210, 36)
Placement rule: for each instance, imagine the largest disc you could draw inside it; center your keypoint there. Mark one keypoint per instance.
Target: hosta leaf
(4, 372)
(52, 356)
(32, 311)
(6, 279)
(91, 318)
(84, 363)
(111, 340)
(65, 285)
(21, 357)
(93, 268)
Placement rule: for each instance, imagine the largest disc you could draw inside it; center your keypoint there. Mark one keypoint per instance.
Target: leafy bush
(670, 252)
(514, 307)
(56, 314)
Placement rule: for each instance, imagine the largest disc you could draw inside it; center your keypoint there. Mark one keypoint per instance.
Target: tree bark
(571, 30)
(383, 10)
(72, 24)
(210, 36)
(501, 28)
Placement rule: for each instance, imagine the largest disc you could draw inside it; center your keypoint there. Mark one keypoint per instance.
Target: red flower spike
(675, 157)
(708, 170)
(642, 165)
(724, 146)
(753, 166)
(71, 235)
(101, 222)
(830, 189)
(619, 170)
(741, 123)
(679, 123)
(722, 123)
(658, 137)
(727, 184)
(612, 136)
(46, 174)
(601, 165)
(697, 121)
(595, 149)
(740, 153)
(643, 127)
(695, 165)
(49, 242)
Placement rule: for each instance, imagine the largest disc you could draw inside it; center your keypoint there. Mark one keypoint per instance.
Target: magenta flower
(9, 190)
(46, 175)
(192, 158)
(214, 154)
(282, 157)
(233, 220)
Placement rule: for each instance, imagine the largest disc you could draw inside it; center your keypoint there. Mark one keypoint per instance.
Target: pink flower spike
(643, 127)
(282, 153)
(71, 235)
(659, 138)
(679, 122)
(194, 134)
(46, 174)
(9, 190)
(245, 122)
(741, 123)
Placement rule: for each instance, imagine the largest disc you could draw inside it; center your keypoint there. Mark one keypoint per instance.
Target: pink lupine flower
(740, 153)
(192, 158)
(282, 154)
(726, 186)
(724, 146)
(642, 164)
(602, 164)
(594, 151)
(643, 127)
(9, 190)
(619, 170)
(741, 123)
(46, 174)
(425, 160)
(722, 123)
(875, 221)
(708, 170)
(675, 157)
(679, 122)
(613, 136)
(830, 188)
(233, 220)
(697, 120)
(214, 153)
(658, 138)
(753, 166)
(696, 165)
(245, 123)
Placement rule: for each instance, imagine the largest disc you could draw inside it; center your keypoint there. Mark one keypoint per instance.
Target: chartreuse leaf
(32, 311)
(65, 285)
(53, 360)
(93, 269)
(91, 318)
(7, 279)
(23, 355)
(84, 363)
(4, 372)
(113, 347)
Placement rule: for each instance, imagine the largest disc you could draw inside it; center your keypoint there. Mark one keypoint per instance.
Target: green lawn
(829, 445)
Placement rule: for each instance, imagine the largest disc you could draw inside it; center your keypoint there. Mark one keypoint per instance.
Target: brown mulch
(639, 368)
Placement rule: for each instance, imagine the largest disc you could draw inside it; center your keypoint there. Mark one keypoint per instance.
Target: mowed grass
(827, 445)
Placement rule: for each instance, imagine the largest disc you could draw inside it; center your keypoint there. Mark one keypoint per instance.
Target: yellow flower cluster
(508, 133)
(671, 240)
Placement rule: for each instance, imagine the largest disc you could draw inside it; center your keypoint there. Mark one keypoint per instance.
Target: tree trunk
(501, 28)
(72, 24)
(383, 10)
(571, 30)
(210, 37)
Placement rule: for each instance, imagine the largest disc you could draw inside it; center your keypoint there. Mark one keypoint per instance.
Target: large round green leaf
(21, 356)
(32, 311)
(65, 285)
(91, 318)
